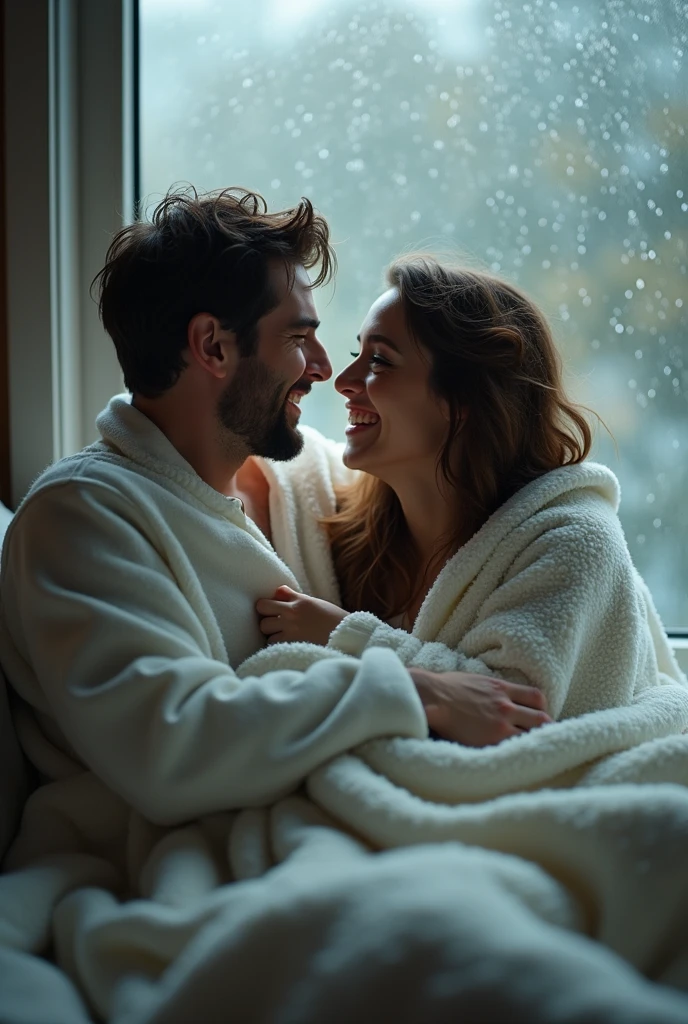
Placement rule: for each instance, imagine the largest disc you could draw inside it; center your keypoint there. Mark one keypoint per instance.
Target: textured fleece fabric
(162, 876)
(544, 594)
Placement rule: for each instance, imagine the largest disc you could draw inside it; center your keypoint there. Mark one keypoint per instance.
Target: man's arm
(478, 710)
(561, 598)
(471, 708)
(102, 633)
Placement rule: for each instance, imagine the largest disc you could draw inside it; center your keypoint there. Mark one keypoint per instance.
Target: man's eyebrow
(383, 339)
(305, 321)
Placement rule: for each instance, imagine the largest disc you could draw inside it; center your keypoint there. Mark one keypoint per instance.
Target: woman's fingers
(271, 624)
(268, 606)
(272, 605)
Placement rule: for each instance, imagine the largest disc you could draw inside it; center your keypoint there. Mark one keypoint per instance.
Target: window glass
(547, 140)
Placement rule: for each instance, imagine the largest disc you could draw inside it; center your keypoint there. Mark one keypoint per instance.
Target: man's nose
(318, 365)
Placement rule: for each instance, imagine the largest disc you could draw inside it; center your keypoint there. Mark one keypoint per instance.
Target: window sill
(680, 647)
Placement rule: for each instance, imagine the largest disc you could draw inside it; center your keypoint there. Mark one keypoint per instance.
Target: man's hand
(476, 710)
(290, 616)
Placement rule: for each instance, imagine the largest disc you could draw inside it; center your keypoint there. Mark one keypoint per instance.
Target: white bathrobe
(128, 589)
(544, 594)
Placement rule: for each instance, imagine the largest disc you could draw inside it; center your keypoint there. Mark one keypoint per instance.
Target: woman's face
(397, 424)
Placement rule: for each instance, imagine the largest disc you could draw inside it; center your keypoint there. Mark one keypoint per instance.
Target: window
(546, 139)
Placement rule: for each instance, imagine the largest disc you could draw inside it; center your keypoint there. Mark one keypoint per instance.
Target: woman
(476, 536)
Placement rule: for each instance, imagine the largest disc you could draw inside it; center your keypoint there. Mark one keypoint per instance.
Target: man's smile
(298, 391)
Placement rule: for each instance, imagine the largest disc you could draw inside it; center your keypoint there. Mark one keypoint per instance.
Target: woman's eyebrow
(382, 339)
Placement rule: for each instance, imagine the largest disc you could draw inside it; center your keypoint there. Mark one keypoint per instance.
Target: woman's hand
(290, 616)
(478, 710)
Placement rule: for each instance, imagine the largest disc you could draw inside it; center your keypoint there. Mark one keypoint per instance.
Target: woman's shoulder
(568, 493)
(578, 484)
(574, 514)
(585, 496)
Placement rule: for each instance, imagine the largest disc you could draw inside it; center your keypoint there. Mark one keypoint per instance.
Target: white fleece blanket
(407, 880)
(489, 922)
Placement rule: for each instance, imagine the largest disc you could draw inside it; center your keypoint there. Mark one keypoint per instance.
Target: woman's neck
(432, 514)
(433, 518)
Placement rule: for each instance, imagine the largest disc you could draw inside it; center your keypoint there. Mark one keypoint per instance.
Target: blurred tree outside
(545, 140)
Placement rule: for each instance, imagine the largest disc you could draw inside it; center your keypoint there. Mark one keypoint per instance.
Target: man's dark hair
(207, 253)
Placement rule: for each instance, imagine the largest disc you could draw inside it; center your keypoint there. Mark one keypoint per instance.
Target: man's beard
(253, 407)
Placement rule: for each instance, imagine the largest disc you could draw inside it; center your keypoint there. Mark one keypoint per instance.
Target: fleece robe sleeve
(123, 665)
(567, 597)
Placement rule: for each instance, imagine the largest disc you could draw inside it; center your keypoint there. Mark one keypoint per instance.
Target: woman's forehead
(387, 309)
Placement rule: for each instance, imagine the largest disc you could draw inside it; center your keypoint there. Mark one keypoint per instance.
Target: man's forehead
(294, 306)
(286, 278)
(293, 290)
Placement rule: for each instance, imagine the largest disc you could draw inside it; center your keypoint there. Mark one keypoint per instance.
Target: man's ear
(211, 347)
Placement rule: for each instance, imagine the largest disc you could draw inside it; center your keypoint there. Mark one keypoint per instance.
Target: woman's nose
(349, 381)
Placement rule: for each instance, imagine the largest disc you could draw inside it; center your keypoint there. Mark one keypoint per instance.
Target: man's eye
(300, 339)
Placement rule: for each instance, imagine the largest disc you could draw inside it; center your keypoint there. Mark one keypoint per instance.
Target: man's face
(261, 403)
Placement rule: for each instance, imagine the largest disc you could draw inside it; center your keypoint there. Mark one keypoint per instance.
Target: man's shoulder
(95, 465)
(82, 494)
(94, 477)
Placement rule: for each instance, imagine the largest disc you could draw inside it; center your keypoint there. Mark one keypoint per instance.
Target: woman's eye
(374, 360)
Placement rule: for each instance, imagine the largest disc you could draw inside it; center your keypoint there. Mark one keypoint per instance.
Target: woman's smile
(361, 421)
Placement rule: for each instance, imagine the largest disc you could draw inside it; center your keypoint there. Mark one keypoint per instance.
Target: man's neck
(197, 439)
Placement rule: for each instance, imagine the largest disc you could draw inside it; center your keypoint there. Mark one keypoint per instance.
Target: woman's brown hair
(492, 354)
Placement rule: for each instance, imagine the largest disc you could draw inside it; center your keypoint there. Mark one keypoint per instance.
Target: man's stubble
(253, 408)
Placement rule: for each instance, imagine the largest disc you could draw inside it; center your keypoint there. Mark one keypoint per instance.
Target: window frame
(70, 184)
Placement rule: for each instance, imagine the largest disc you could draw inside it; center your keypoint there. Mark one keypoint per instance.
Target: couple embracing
(210, 603)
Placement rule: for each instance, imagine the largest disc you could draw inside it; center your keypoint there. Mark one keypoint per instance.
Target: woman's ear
(212, 347)
(446, 412)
